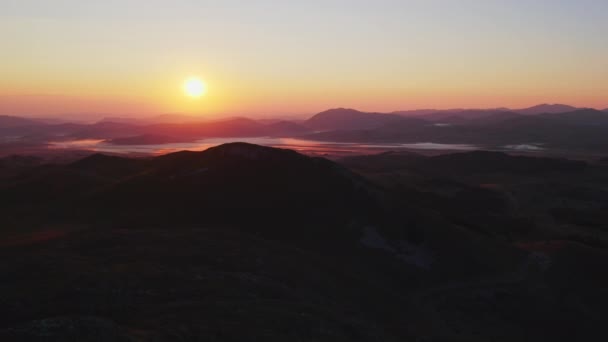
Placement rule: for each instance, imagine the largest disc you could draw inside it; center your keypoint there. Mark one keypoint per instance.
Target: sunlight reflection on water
(309, 146)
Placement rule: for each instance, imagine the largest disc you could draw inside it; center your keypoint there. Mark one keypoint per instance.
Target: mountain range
(581, 130)
(557, 127)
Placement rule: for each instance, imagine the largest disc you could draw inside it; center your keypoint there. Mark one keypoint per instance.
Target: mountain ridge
(351, 119)
(547, 108)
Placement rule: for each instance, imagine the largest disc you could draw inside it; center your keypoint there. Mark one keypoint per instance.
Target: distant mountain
(419, 112)
(546, 108)
(552, 121)
(455, 113)
(121, 133)
(7, 121)
(490, 117)
(104, 130)
(127, 131)
(462, 116)
(118, 119)
(185, 132)
(350, 119)
(580, 117)
(49, 121)
(234, 127)
(174, 118)
(287, 128)
(159, 119)
(13, 126)
(582, 130)
(436, 114)
(147, 139)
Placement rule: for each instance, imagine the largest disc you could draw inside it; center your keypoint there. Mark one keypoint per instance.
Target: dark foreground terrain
(249, 243)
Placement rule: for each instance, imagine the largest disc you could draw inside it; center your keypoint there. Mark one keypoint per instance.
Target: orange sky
(266, 58)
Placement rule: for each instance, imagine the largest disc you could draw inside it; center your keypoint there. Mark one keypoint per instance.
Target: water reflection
(305, 146)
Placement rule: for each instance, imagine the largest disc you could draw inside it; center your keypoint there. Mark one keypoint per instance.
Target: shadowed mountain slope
(259, 183)
(242, 240)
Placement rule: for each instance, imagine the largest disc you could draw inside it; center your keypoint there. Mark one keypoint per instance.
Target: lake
(304, 146)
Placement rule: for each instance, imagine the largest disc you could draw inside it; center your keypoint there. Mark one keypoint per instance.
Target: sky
(281, 58)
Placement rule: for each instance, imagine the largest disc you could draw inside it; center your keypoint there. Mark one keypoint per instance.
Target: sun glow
(195, 87)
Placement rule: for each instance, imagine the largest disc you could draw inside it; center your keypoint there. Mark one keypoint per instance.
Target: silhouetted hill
(17, 161)
(476, 162)
(243, 240)
(495, 193)
(386, 161)
(229, 184)
(498, 162)
(113, 167)
(258, 183)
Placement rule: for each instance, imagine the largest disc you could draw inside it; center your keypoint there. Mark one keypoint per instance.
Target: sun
(195, 87)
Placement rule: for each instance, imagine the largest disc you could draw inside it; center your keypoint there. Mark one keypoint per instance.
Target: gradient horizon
(266, 58)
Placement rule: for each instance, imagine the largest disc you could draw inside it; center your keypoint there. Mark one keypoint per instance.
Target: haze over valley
(554, 129)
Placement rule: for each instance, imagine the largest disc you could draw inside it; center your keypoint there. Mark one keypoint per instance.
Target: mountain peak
(341, 110)
(248, 151)
(547, 108)
(349, 119)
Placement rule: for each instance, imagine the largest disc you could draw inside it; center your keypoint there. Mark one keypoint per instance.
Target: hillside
(393, 247)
